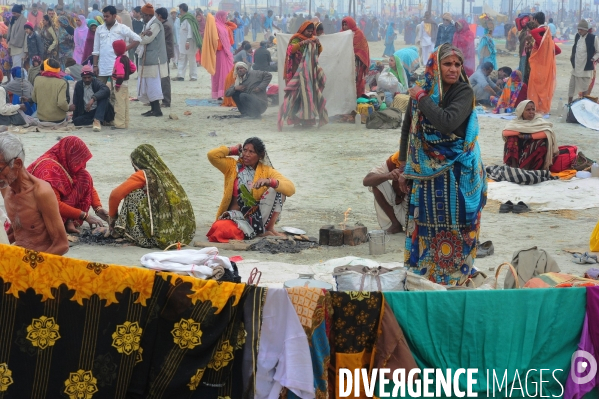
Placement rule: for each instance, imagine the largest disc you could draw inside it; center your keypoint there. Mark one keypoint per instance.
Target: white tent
(338, 63)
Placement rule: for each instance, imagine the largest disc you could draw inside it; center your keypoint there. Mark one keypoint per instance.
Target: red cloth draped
(463, 39)
(360, 43)
(223, 231)
(362, 53)
(63, 166)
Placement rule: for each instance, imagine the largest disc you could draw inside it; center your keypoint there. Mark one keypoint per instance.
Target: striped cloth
(303, 93)
(518, 176)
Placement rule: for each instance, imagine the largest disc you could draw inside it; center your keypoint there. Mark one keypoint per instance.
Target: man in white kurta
(428, 35)
(585, 52)
(187, 48)
(153, 61)
(106, 34)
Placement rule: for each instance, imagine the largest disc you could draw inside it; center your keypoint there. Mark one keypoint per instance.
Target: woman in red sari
(463, 39)
(361, 51)
(63, 166)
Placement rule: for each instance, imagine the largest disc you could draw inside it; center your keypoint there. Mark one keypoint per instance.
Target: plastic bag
(388, 82)
(594, 241)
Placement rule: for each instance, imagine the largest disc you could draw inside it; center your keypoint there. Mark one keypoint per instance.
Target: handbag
(364, 278)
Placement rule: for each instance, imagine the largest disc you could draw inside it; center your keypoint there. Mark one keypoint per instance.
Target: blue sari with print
(447, 195)
(487, 42)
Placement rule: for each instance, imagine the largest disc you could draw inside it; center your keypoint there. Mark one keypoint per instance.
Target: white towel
(196, 262)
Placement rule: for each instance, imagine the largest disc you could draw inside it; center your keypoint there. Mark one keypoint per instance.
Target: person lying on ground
(63, 167)
(249, 90)
(252, 187)
(156, 211)
(389, 200)
(30, 203)
(91, 101)
(529, 140)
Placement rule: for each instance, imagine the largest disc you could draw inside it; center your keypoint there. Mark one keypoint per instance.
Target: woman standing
(80, 37)
(486, 47)
(216, 52)
(361, 53)
(526, 44)
(303, 77)
(5, 58)
(389, 40)
(92, 25)
(464, 40)
(49, 37)
(443, 175)
(156, 211)
(65, 41)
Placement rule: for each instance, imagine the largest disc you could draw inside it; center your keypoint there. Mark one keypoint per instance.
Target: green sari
(160, 214)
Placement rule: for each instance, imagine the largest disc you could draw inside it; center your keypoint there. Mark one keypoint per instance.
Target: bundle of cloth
(203, 263)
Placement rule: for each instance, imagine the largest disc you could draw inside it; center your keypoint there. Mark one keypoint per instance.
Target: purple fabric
(80, 37)
(589, 340)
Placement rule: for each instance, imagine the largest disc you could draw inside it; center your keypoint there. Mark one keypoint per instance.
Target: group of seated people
(20, 98)
(55, 195)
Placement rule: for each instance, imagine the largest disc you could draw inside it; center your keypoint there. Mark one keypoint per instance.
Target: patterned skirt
(129, 222)
(525, 154)
(440, 241)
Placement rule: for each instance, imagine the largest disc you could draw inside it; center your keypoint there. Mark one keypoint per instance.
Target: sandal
(585, 258)
(485, 249)
(507, 207)
(521, 207)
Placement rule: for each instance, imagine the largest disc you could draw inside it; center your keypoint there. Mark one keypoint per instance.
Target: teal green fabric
(513, 330)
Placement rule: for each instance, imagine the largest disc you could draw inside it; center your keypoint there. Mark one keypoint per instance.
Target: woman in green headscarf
(156, 211)
(403, 63)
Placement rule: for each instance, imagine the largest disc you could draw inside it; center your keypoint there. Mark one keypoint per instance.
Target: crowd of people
(433, 188)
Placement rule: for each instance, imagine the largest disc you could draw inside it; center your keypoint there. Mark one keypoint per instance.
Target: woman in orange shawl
(361, 51)
(295, 49)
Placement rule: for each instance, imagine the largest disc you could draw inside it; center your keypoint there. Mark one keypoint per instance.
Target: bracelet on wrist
(274, 183)
(233, 150)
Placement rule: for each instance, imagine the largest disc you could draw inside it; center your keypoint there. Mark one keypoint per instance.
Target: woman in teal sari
(443, 174)
(486, 47)
(156, 211)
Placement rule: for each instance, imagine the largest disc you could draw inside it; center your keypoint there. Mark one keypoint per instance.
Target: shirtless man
(30, 202)
(389, 202)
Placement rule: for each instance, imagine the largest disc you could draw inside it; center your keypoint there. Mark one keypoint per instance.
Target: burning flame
(345, 214)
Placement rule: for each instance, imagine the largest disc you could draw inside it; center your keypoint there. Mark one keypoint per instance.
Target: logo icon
(583, 367)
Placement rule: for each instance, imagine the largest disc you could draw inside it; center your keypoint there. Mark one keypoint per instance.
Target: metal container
(307, 280)
(376, 241)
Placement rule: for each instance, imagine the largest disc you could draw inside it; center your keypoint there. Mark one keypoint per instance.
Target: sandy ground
(327, 166)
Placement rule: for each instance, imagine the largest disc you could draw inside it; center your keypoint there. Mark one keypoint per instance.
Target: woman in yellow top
(252, 185)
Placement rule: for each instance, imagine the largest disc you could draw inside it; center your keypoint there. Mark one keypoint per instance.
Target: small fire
(345, 214)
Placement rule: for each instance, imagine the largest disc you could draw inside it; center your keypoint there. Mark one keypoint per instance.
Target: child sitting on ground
(123, 67)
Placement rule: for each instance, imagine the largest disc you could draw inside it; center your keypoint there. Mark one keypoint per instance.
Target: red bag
(565, 158)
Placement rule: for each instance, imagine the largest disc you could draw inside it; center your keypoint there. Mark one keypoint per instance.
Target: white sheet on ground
(586, 113)
(337, 62)
(550, 195)
(196, 262)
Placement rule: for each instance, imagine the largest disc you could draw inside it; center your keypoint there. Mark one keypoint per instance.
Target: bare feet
(70, 227)
(394, 229)
(271, 233)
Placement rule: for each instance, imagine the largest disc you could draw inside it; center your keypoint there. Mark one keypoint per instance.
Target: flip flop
(585, 258)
